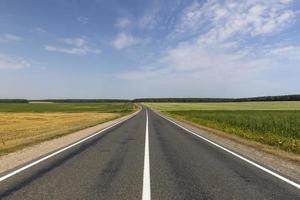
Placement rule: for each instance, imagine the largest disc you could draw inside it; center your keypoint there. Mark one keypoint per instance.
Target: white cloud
(289, 52)
(123, 23)
(76, 46)
(148, 21)
(191, 18)
(223, 50)
(10, 38)
(83, 20)
(124, 40)
(217, 21)
(75, 51)
(151, 19)
(78, 42)
(9, 62)
(190, 60)
(39, 30)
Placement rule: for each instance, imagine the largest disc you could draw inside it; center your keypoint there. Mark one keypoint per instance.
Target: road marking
(236, 155)
(146, 178)
(61, 150)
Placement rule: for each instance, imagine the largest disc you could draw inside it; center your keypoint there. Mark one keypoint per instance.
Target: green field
(67, 107)
(273, 123)
(282, 105)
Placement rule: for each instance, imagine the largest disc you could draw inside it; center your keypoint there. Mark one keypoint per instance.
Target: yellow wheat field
(18, 130)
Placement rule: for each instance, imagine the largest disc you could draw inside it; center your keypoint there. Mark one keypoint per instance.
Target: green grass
(273, 123)
(67, 107)
(283, 105)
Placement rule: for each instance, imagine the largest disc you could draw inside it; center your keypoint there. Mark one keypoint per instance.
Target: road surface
(145, 157)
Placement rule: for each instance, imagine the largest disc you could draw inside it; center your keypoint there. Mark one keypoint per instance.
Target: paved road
(111, 166)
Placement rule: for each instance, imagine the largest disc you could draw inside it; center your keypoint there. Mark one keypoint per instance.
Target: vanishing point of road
(145, 157)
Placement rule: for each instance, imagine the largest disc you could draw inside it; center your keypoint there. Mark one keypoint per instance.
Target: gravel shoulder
(18, 158)
(285, 163)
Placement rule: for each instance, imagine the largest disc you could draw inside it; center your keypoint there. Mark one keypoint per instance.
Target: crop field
(66, 107)
(283, 105)
(273, 123)
(23, 124)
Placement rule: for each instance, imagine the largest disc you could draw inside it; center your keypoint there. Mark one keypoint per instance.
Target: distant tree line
(82, 100)
(13, 101)
(263, 98)
(183, 100)
(295, 97)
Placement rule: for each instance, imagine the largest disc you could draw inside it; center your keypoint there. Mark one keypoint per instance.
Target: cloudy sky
(134, 48)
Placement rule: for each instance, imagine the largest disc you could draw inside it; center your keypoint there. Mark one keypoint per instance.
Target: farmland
(24, 124)
(273, 123)
(66, 107)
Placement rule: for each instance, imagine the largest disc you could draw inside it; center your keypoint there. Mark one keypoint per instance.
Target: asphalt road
(111, 166)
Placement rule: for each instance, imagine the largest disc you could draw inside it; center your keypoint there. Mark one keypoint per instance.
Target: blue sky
(134, 48)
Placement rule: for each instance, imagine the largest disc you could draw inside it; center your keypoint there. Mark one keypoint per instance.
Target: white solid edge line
(146, 178)
(61, 150)
(237, 155)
